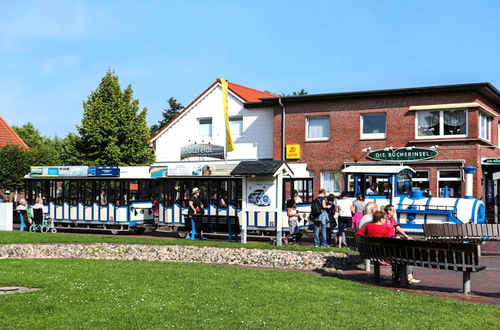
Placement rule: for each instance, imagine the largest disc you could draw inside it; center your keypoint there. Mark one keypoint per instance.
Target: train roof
(376, 169)
(89, 172)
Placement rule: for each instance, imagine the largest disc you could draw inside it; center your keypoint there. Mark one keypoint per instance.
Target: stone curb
(305, 260)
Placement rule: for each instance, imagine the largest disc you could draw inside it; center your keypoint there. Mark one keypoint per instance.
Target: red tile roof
(246, 93)
(9, 136)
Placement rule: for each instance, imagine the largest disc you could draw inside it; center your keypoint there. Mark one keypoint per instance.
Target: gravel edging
(305, 260)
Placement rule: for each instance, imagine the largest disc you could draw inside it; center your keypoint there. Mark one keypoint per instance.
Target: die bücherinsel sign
(491, 161)
(402, 154)
(202, 150)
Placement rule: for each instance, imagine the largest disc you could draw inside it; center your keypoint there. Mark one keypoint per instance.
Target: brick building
(460, 122)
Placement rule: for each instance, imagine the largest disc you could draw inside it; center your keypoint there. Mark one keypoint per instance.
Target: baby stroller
(293, 238)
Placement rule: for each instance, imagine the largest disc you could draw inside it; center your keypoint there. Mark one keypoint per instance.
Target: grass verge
(87, 294)
(18, 237)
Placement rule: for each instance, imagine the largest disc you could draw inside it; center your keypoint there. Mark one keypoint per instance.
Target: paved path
(444, 283)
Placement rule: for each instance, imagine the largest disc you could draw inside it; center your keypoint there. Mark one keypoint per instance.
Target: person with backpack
(320, 218)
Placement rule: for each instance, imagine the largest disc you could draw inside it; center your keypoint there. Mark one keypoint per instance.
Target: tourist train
(121, 198)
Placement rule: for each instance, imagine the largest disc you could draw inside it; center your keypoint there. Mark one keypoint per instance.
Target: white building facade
(202, 123)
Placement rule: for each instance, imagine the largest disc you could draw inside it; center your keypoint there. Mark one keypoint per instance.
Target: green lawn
(87, 294)
(10, 237)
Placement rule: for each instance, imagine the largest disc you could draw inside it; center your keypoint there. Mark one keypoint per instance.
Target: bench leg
(376, 270)
(403, 275)
(229, 230)
(466, 282)
(367, 265)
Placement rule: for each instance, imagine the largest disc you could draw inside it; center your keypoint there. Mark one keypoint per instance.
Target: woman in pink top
(359, 207)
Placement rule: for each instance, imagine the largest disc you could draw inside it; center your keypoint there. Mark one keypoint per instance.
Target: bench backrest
(458, 256)
(350, 239)
(468, 230)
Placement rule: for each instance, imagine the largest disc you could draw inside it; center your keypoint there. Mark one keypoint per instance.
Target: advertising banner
(54, 171)
(185, 170)
(261, 193)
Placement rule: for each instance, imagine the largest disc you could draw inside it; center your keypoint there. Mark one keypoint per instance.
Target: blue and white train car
(94, 197)
(394, 186)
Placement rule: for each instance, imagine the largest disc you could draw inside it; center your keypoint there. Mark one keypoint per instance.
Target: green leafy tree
(15, 165)
(113, 130)
(43, 150)
(298, 93)
(168, 114)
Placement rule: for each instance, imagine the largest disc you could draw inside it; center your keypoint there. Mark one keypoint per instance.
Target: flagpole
(225, 130)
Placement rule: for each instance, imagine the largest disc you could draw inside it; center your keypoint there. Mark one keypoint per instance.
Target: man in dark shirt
(195, 208)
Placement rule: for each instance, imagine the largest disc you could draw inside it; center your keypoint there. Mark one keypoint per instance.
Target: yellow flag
(229, 138)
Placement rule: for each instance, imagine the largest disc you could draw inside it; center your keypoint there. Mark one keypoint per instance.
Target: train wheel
(139, 230)
(114, 231)
(182, 234)
(53, 230)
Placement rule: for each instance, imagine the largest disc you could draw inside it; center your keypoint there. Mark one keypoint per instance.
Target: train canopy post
(262, 193)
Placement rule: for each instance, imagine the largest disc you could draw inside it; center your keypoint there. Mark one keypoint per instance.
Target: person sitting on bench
(23, 206)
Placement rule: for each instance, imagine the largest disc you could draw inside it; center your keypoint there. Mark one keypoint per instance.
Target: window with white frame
(373, 126)
(318, 128)
(421, 180)
(442, 123)
(236, 126)
(205, 127)
(484, 127)
(450, 180)
(331, 181)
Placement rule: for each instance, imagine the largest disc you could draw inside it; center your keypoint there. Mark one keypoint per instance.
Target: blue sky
(54, 53)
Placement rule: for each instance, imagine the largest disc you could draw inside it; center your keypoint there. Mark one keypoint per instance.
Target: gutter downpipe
(282, 128)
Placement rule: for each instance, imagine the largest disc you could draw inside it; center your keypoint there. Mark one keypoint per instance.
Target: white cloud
(60, 64)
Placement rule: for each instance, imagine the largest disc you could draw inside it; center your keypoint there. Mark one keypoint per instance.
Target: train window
(73, 192)
(303, 187)
(404, 183)
(102, 198)
(133, 190)
(145, 190)
(112, 193)
(377, 185)
(58, 192)
(89, 192)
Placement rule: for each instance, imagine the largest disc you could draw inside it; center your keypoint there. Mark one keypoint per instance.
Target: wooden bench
(461, 232)
(457, 256)
(350, 239)
(213, 224)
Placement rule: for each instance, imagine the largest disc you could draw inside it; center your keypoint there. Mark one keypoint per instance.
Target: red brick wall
(345, 144)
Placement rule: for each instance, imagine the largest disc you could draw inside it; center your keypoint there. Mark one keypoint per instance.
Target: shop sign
(202, 150)
(491, 161)
(104, 171)
(402, 154)
(293, 151)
